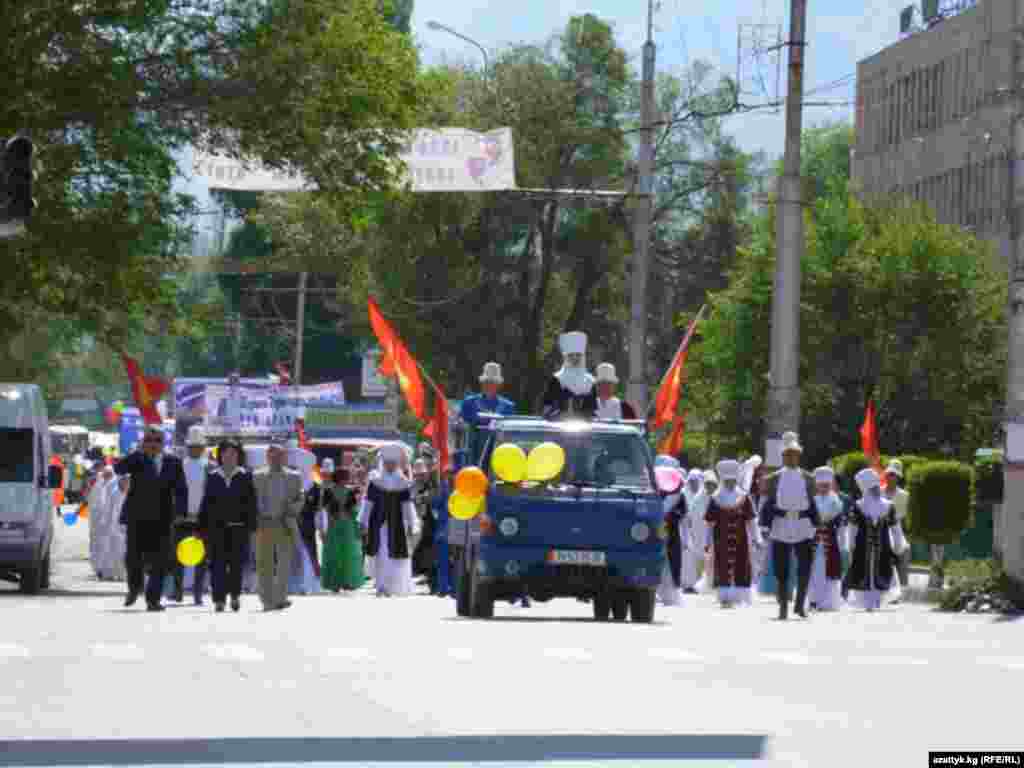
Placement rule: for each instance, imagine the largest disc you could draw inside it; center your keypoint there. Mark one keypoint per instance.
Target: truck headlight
(640, 532)
(509, 526)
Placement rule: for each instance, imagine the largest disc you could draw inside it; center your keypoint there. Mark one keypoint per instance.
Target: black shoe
(155, 608)
(179, 596)
(198, 601)
(236, 604)
(526, 602)
(219, 607)
(783, 611)
(131, 599)
(800, 612)
(689, 591)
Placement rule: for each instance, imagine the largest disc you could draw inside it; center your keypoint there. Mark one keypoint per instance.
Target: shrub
(941, 501)
(978, 585)
(988, 479)
(847, 466)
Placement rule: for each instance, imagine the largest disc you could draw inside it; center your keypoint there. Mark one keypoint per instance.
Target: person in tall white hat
(733, 535)
(794, 522)
(706, 583)
(878, 539)
(696, 507)
(608, 405)
(900, 499)
(830, 541)
(197, 469)
(388, 517)
(571, 391)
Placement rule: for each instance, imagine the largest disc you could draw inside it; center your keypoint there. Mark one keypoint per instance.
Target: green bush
(988, 479)
(909, 462)
(941, 501)
(975, 584)
(847, 466)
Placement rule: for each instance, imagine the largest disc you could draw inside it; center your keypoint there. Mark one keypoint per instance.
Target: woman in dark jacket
(227, 519)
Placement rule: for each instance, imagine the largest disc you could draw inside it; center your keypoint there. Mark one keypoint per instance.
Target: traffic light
(16, 192)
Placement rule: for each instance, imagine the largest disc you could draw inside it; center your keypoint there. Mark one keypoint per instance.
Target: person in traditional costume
(733, 536)
(848, 508)
(442, 552)
(96, 500)
(706, 584)
(877, 538)
(389, 519)
(305, 572)
(197, 468)
(571, 391)
(113, 544)
(830, 540)
(767, 581)
(696, 507)
(477, 409)
(900, 504)
(669, 591)
(424, 488)
(608, 405)
(750, 471)
(794, 518)
(343, 546)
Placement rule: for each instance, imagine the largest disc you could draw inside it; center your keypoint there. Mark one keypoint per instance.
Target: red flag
(666, 401)
(398, 362)
(673, 444)
(146, 390)
(869, 438)
(437, 429)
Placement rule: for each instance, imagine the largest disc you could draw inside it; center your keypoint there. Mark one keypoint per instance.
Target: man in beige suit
(279, 496)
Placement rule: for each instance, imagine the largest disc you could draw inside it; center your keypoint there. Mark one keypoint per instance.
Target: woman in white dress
(96, 500)
(706, 585)
(113, 538)
(304, 579)
(388, 517)
(668, 592)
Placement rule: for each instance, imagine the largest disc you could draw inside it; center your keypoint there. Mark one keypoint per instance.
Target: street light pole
(442, 28)
(784, 388)
(642, 228)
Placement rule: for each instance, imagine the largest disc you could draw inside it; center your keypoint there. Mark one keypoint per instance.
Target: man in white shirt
(196, 467)
(900, 502)
(794, 522)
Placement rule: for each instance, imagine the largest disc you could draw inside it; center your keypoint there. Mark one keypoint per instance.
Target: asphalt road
(357, 680)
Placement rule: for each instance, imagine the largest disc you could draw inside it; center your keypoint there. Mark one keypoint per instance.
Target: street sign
(374, 385)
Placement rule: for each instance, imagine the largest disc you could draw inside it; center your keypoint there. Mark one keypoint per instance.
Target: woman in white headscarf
(388, 517)
(669, 590)
(96, 500)
(734, 536)
(830, 541)
(878, 540)
(696, 508)
(113, 541)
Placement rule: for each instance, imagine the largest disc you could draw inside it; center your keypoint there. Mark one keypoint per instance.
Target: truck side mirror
(54, 477)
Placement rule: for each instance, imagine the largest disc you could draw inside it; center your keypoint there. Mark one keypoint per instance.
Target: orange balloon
(83, 511)
(471, 482)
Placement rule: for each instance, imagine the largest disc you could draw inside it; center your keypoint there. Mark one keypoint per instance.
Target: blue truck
(596, 532)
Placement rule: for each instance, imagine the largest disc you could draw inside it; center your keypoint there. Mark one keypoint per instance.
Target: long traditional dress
(697, 507)
(826, 568)
(343, 548)
(97, 499)
(877, 535)
(304, 579)
(389, 518)
(676, 519)
(732, 534)
(113, 540)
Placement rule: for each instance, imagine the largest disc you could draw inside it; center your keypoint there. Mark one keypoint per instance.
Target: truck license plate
(575, 557)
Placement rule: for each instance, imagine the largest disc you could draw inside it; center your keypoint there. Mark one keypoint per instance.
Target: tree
(109, 90)
(941, 507)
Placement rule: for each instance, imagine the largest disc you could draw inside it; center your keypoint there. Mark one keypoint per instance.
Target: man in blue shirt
(475, 408)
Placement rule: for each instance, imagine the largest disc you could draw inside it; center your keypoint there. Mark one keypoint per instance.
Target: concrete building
(935, 119)
(940, 120)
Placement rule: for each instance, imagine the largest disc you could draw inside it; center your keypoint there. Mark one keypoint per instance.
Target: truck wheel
(641, 606)
(602, 607)
(44, 578)
(31, 580)
(483, 601)
(620, 607)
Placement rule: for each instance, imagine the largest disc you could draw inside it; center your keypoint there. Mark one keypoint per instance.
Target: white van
(26, 488)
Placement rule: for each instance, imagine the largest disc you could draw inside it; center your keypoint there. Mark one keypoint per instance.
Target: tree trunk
(937, 573)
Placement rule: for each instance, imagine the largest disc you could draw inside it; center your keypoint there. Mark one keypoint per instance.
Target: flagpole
(675, 357)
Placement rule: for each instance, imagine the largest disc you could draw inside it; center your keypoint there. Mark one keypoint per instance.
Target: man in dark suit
(157, 494)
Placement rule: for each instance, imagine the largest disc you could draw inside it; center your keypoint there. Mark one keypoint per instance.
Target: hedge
(988, 479)
(941, 501)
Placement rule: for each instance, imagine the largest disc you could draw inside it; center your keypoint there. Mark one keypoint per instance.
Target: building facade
(936, 115)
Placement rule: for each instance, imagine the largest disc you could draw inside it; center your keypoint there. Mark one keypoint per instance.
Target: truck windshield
(595, 459)
(16, 455)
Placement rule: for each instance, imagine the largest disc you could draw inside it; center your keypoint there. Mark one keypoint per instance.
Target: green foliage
(970, 584)
(941, 501)
(847, 466)
(988, 479)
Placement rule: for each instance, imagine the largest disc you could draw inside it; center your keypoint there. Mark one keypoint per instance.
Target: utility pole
(300, 328)
(784, 388)
(642, 229)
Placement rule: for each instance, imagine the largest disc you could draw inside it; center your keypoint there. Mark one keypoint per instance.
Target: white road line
(461, 654)
(1015, 664)
(118, 651)
(352, 654)
(234, 652)
(567, 654)
(673, 654)
(794, 659)
(13, 651)
(887, 661)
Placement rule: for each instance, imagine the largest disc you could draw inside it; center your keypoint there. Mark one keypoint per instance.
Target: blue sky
(839, 34)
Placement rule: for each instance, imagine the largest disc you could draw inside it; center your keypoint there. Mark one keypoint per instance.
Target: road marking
(673, 654)
(353, 654)
(795, 659)
(118, 651)
(461, 654)
(234, 652)
(13, 651)
(887, 661)
(567, 654)
(1015, 664)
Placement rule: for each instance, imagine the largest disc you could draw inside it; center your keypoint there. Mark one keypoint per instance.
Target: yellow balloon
(545, 462)
(463, 507)
(191, 551)
(509, 463)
